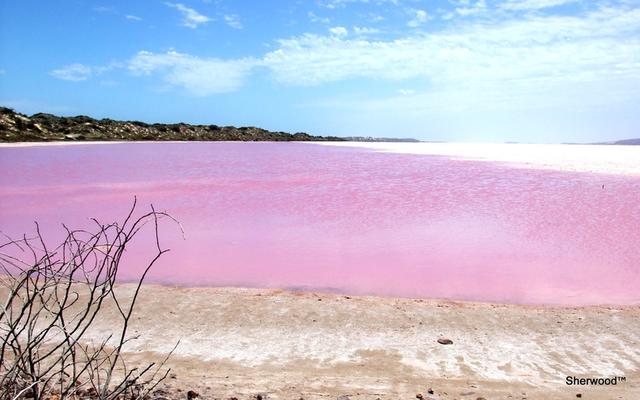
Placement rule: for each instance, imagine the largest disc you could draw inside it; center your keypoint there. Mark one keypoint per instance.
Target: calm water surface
(298, 215)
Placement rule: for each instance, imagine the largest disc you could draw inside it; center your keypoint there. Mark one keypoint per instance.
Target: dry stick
(49, 288)
(135, 295)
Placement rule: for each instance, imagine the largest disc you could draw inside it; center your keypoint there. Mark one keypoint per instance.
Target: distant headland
(42, 127)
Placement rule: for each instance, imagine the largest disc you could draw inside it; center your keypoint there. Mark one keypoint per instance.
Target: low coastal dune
(290, 345)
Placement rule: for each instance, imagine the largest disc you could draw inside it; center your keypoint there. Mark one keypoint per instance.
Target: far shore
(237, 342)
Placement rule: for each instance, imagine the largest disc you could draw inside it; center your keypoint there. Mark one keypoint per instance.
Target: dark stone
(430, 391)
(419, 396)
(445, 341)
(579, 395)
(192, 395)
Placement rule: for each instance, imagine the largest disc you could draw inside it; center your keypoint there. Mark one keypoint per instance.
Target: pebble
(445, 341)
(191, 394)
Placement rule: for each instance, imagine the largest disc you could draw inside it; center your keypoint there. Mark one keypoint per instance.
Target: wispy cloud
(104, 9)
(73, 72)
(529, 52)
(363, 30)
(468, 9)
(533, 4)
(528, 56)
(339, 31)
(419, 18)
(314, 18)
(80, 72)
(133, 17)
(198, 76)
(406, 92)
(190, 17)
(343, 3)
(233, 21)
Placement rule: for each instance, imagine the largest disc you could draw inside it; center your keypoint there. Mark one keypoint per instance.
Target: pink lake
(345, 219)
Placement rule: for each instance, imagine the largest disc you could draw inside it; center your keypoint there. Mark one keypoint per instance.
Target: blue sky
(455, 70)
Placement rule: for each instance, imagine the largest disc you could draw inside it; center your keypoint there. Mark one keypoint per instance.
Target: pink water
(295, 215)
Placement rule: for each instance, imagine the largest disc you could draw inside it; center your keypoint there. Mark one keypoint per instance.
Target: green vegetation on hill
(17, 127)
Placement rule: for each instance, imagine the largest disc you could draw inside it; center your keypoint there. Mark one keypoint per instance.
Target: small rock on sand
(445, 341)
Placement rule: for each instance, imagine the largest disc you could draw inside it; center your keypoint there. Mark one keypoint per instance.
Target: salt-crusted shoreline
(591, 158)
(238, 342)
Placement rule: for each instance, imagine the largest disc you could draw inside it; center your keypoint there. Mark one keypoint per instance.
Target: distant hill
(627, 142)
(17, 127)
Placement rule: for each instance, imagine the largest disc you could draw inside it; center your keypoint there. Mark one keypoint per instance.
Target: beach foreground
(289, 345)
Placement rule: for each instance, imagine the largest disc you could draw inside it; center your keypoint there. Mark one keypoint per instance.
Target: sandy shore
(240, 342)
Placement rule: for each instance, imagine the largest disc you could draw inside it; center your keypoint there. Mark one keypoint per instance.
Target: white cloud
(191, 18)
(533, 4)
(525, 53)
(314, 18)
(232, 21)
(133, 17)
(103, 9)
(342, 3)
(362, 31)
(531, 56)
(419, 18)
(472, 9)
(339, 31)
(80, 72)
(73, 72)
(406, 92)
(199, 76)
(375, 18)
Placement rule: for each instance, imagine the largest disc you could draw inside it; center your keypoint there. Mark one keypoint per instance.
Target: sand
(288, 345)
